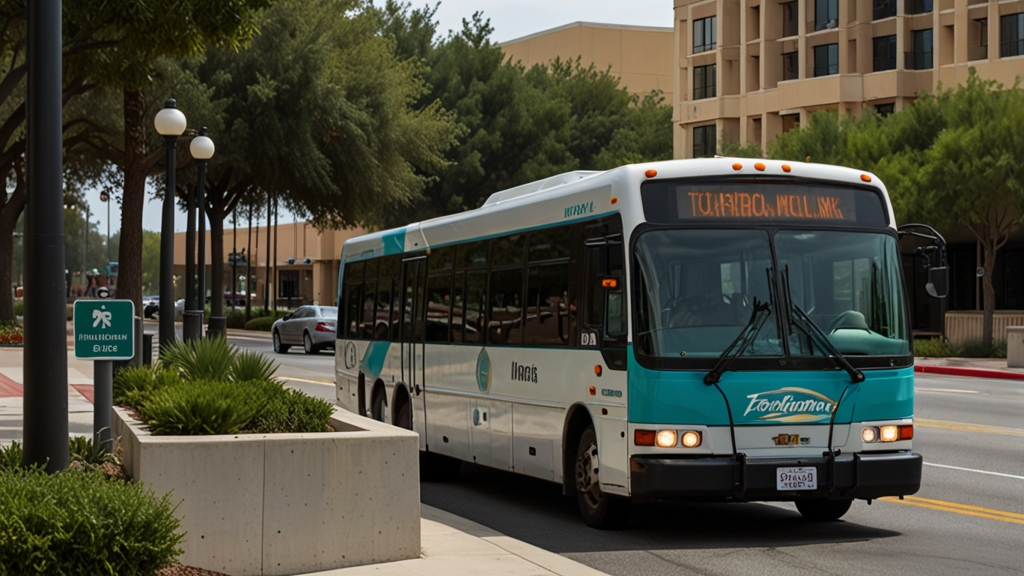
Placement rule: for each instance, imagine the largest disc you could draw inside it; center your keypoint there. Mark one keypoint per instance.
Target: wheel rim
(587, 468)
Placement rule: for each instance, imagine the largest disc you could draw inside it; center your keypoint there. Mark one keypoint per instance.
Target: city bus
(713, 329)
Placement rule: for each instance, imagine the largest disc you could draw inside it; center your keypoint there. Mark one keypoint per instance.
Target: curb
(968, 372)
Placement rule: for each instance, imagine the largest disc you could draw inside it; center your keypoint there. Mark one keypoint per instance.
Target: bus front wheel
(822, 510)
(599, 510)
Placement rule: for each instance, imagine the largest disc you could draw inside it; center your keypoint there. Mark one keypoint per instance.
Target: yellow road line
(966, 427)
(966, 509)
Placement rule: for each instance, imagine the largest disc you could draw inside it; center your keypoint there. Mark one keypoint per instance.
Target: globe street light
(202, 149)
(169, 123)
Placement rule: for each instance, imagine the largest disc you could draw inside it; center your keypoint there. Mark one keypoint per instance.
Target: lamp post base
(192, 325)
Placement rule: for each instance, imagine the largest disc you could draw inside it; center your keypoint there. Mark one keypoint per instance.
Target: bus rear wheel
(599, 510)
(822, 510)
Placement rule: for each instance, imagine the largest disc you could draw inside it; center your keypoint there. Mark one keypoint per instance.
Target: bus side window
(353, 283)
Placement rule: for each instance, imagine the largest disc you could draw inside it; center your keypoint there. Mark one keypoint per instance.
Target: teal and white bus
(712, 329)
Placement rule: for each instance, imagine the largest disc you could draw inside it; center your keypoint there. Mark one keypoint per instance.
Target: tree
(319, 113)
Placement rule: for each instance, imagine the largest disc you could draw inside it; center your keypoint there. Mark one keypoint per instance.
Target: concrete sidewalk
(454, 546)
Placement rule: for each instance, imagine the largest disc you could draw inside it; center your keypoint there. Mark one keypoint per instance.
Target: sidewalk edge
(968, 372)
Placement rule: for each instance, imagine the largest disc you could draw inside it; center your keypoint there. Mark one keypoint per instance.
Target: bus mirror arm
(832, 451)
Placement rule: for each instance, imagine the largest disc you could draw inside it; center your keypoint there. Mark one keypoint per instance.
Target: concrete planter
(285, 503)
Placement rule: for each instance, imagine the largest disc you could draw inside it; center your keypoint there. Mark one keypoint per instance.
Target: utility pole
(45, 355)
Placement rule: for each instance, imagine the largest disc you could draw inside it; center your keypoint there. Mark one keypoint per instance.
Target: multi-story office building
(748, 70)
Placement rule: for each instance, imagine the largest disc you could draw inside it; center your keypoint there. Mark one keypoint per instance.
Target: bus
(711, 330)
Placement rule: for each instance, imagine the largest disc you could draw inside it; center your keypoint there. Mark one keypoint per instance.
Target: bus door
(414, 272)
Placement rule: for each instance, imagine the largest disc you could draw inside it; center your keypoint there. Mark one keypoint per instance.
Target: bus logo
(350, 355)
(483, 371)
(790, 405)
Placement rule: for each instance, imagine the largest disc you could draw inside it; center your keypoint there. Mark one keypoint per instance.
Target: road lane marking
(947, 390)
(967, 427)
(968, 510)
(307, 380)
(975, 471)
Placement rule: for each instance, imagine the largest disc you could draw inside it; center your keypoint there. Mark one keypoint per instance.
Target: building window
(1011, 38)
(790, 66)
(826, 60)
(919, 6)
(704, 81)
(704, 141)
(885, 53)
(921, 57)
(790, 19)
(883, 9)
(705, 35)
(826, 14)
(790, 122)
(885, 109)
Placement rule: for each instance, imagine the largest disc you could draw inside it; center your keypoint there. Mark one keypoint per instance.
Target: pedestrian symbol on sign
(99, 316)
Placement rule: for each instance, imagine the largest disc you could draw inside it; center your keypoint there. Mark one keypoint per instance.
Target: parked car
(312, 327)
(150, 306)
(179, 310)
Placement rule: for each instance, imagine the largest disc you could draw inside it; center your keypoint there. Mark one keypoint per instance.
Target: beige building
(641, 56)
(750, 69)
(306, 261)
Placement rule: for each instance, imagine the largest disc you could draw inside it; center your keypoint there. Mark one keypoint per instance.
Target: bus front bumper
(864, 476)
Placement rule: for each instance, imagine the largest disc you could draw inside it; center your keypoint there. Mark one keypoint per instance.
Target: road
(967, 518)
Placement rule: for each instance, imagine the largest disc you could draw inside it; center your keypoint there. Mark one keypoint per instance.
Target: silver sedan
(312, 327)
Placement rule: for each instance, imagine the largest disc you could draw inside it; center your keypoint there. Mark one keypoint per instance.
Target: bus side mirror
(938, 282)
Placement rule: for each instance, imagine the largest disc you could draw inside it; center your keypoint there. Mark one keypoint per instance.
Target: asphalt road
(967, 518)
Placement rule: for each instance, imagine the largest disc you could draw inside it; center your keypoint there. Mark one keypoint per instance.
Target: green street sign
(104, 329)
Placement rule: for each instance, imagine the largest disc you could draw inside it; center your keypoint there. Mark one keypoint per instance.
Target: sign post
(104, 332)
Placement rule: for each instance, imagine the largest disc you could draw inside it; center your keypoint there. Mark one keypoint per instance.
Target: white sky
(511, 19)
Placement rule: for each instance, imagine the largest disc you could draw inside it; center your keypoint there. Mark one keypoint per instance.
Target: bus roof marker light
(865, 177)
(759, 166)
(737, 166)
(593, 390)
(651, 173)
(615, 200)
(786, 168)
(597, 370)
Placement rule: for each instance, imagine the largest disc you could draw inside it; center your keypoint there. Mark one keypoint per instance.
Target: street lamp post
(191, 322)
(170, 123)
(202, 150)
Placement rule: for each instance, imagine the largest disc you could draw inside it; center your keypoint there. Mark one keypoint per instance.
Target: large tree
(321, 114)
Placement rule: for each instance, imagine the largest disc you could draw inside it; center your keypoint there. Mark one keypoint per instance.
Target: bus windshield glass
(698, 287)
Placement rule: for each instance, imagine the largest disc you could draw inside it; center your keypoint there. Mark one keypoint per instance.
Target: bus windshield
(698, 287)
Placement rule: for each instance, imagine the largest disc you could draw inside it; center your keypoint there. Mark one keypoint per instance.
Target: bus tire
(378, 406)
(599, 510)
(438, 467)
(823, 510)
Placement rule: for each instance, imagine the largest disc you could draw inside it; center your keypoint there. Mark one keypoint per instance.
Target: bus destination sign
(769, 203)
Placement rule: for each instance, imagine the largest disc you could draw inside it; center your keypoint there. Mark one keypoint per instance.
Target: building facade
(747, 70)
(640, 56)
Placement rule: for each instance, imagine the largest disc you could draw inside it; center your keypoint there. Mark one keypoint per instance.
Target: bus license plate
(796, 478)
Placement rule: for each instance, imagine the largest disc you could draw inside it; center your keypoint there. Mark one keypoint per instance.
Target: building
(306, 262)
(640, 56)
(750, 69)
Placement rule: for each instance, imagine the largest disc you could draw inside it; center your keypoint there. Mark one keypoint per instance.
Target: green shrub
(10, 457)
(236, 319)
(132, 385)
(200, 407)
(79, 522)
(291, 411)
(933, 348)
(263, 324)
(202, 359)
(975, 349)
(250, 365)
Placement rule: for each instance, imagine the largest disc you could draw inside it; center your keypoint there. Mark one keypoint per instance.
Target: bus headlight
(869, 435)
(691, 438)
(889, 433)
(665, 439)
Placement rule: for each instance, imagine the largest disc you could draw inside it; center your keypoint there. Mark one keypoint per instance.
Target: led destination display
(770, 205)
(752, 201)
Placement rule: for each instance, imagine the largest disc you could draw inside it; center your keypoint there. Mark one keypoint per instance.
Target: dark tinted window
(473, 255)
(505, 323)
(547, 310)
(508, 250)
(826, 60)
(1011, 39)
(473, 315)
(550, 244)
(439, 300)
(704, 82)
(885, 53)
(442, 258)
(705, 34)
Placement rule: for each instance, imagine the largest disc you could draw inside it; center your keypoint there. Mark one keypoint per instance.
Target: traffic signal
(104, 196)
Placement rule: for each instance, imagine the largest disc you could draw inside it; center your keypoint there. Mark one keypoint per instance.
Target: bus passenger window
(505, 324)
(473, 317)
(381, 327)
(458, 308)
(547, 309)
(439, 301)
(353, 283)
(369, 315)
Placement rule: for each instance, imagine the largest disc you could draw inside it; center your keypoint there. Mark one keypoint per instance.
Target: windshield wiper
(801, 319)
(747, 336)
